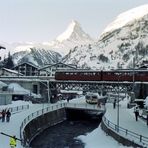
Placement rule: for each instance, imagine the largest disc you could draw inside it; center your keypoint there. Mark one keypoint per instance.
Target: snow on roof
(20, 90)
(2, 84)
(71, 91)
(12, 71)
(31, 64)
(16, 87)
(53, 65)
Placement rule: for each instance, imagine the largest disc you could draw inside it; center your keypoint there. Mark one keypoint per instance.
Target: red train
(113, 75)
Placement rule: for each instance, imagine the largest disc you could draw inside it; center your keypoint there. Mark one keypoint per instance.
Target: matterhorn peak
(73, 32)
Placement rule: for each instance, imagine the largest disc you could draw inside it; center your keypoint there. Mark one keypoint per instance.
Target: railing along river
(132, 136)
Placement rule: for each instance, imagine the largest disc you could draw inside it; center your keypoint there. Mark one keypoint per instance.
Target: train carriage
(78, 75)
(112, 75)
(117, 76)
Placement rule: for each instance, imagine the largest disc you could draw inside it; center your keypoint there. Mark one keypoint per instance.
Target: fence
(17, 108)
(136, 138)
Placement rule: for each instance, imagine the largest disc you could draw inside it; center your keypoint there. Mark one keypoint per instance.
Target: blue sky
(44, 20)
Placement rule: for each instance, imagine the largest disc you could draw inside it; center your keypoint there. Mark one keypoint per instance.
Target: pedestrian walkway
(13, 127)
(126, 118)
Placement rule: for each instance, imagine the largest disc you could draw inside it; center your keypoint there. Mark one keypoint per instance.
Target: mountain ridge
(74, 35)
(115, 48)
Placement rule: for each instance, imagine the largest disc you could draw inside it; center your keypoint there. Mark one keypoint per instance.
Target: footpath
(13, 127)
(126, 118)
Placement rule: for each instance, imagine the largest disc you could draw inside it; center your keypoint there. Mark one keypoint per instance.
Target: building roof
(2, 84)
(47, 66)
(31, 64)
(12, 71)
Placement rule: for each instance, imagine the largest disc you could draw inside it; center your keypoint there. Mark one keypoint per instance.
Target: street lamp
(118, 105)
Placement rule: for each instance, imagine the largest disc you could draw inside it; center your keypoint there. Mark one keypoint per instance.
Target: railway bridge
(49, 88)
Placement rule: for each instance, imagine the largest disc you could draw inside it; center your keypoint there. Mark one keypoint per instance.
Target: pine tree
(9, 62)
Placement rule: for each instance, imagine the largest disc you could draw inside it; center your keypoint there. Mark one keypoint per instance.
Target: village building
(49, 70)
(27, 69)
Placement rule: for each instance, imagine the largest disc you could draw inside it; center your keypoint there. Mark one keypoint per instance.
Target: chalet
(49, 70)
(9, 72)
(27, 69)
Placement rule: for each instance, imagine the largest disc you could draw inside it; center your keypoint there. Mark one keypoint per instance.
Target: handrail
(137, 138)
(17, 108)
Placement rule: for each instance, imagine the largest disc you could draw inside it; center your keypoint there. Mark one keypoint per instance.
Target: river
(63, 135)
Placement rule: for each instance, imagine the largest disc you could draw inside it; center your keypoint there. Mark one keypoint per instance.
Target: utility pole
(118, 105)
(133, 89)
(48, 91)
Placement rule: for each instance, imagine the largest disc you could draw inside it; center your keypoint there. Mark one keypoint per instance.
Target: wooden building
(27, 69)
(49, 70)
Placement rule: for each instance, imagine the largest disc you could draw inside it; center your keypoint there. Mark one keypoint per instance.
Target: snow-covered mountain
(73, 36)
(121, 41)
(125, 38)
(47, 52)
(32, 53)
(126, 17)
(37, 56)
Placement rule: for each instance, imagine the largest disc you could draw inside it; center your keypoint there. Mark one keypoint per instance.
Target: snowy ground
(13, 127)
(95, 139)
(98, 138)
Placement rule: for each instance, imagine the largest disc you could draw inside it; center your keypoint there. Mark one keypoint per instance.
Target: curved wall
(37, 125)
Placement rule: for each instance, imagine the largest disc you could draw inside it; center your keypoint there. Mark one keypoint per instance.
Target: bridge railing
(137, 138)
(86, 106)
